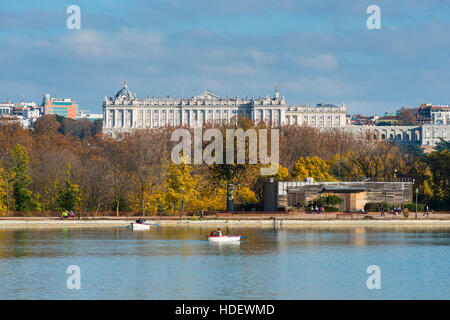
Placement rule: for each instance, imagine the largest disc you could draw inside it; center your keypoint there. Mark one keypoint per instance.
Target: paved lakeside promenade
(300, 220)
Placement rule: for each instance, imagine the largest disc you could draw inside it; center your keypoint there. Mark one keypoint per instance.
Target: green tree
(439, 163)
(329, 202)
(68, 193)
(442, 145)
(24, 200)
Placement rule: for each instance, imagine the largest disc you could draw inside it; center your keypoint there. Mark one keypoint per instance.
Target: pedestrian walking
(425, 210)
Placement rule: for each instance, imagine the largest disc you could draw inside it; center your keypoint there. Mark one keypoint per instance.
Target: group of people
(217, 233)
(396, 210)
(318, 210)
(66, 214)
(399, 209)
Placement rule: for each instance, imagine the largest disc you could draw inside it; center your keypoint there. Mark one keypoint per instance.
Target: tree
(304, 141)
(82, 128)
(406, 117)
(412, 149)
(24, 200)
(68, 193)
(208, 197)
(376, 159)
(94, 177)
(46, 124)
(6, 189)
(148, 148)
(282, 174)
(119, 180)
(384, 123)
(314, 167)
(245, 197)
(2, 193)
(49, 155)
(442, 145)
(439, 163)
(179, 178)
(236, 174)
(329, 202)
(342, 168)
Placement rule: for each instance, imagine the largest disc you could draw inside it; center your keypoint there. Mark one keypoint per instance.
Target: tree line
(55, 166)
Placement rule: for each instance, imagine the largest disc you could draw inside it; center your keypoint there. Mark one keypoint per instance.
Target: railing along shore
(226, 216)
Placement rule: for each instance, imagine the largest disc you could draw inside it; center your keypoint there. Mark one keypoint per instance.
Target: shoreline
(223, 222)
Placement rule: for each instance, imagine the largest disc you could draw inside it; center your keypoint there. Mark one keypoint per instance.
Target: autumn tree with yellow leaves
(131, 171)
(2, 193)
(6, 190)
(314, 167)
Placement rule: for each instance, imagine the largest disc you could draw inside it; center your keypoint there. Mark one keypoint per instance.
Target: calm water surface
(177, 263)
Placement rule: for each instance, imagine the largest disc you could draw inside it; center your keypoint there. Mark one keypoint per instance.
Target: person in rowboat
(140, 220)
(218, 233)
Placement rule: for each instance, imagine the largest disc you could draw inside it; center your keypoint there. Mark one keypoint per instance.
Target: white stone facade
(424, 135)
(322, 115)
(125, 111)
(31, 113)
(6, 108)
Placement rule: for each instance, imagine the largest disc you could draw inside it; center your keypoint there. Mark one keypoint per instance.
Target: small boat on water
(227, 238)
(140, 226)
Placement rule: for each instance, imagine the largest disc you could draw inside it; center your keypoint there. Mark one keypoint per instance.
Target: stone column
(105, 118)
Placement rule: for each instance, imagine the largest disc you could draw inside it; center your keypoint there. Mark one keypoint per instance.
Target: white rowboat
(228, 238)
(140, 226)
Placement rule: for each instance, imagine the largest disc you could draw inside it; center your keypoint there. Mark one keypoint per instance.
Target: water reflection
(179, 263)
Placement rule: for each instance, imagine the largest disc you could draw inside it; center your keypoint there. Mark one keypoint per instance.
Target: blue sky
(317, 51)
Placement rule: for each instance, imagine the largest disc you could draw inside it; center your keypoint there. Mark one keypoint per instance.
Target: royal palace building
(125, 111)
(322, 115)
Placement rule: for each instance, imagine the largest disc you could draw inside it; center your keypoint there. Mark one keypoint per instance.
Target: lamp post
(339, 172)
(181, 204)
(417, 192)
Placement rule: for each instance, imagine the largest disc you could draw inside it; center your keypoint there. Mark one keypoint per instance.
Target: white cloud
(322, 87)
(122, 44)
(237, 69)
(369, 107)
(260, 57)
(86, 42)
(321, 61)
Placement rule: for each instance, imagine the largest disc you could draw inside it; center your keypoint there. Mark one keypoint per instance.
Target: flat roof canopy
(343, 190)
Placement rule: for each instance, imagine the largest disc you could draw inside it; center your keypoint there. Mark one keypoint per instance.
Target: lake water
(177, 263)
